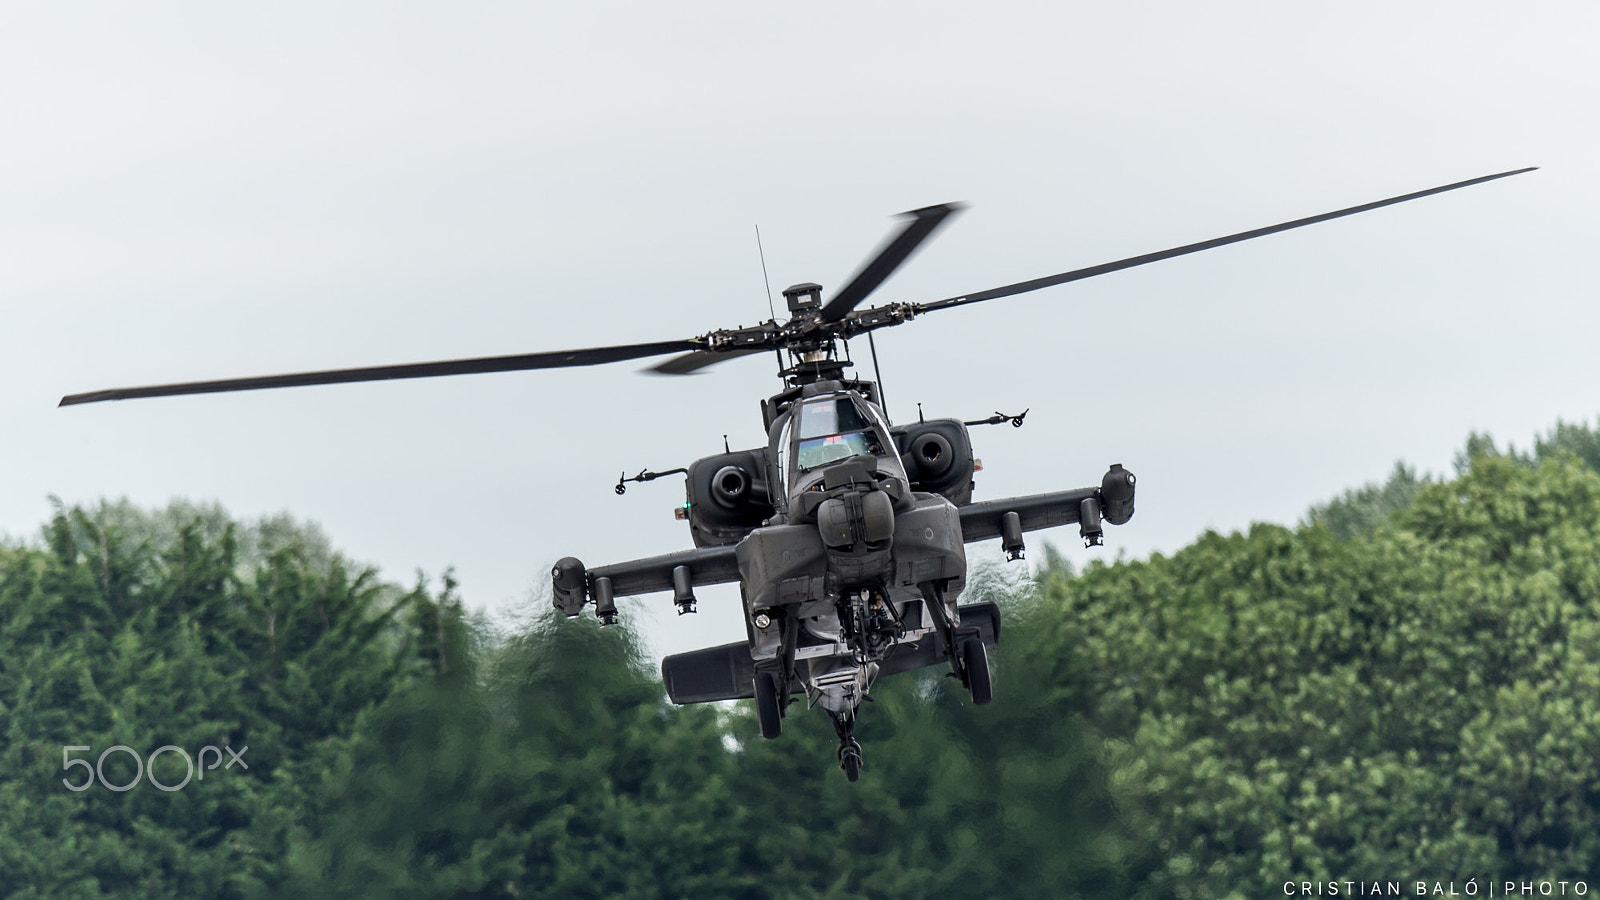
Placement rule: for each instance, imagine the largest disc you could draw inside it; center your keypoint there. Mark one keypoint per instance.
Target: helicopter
(845, 532)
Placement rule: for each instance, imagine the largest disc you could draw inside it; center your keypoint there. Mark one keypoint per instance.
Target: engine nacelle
(937, 455)
(730, 485)
(728, 497)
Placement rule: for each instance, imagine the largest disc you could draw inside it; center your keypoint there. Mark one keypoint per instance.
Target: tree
(1360, 511)
(110, 640)
(1293, 704)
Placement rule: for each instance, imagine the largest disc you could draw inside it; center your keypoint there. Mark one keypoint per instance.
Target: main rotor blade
(695, 360)
(593, 356)
(1022, 287)
(898, 249)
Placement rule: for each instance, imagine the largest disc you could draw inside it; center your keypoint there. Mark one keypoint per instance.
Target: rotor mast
(813, 352)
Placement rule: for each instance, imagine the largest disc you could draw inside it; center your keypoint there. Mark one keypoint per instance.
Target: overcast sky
(210, 190)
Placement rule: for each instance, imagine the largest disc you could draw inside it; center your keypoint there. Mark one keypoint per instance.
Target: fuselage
(836, 578)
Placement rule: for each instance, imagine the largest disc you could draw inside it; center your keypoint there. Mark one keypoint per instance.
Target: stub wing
(677, 572)
(1008, 518)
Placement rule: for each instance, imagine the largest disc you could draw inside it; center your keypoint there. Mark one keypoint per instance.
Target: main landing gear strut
(963, 645)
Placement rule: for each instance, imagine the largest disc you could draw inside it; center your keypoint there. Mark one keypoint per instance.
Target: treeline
(397, 747)
(1421, 703)
(1414, 698)
(1360, 511)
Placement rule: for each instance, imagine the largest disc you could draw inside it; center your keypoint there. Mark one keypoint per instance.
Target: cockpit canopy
(832, 427)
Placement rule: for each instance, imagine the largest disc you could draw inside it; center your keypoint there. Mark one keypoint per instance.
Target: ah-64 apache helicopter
(845, 533)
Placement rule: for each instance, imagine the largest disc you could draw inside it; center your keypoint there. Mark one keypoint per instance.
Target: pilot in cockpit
(832, 429)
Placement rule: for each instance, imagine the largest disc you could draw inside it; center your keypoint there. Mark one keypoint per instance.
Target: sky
(196, 191)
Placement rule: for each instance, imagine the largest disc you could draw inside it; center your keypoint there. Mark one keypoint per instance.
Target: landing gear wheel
(850, 760)
(768, 713)
(975, 661)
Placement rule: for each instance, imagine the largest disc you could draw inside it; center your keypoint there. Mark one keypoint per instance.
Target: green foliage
(1290, 705)
(1407, 685)
(1577, 439)
(143, 643)
(1361, 510)
(559, 773)
(254, 541)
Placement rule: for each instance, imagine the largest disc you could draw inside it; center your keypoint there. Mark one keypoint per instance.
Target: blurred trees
(113, 638)
(1407, 686)
(1360, 511)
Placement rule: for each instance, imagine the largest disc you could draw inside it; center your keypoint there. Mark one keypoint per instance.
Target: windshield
(832, 428)
(821, 451)
(830, 415)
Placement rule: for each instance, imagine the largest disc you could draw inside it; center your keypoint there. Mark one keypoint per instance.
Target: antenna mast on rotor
(765, 278)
